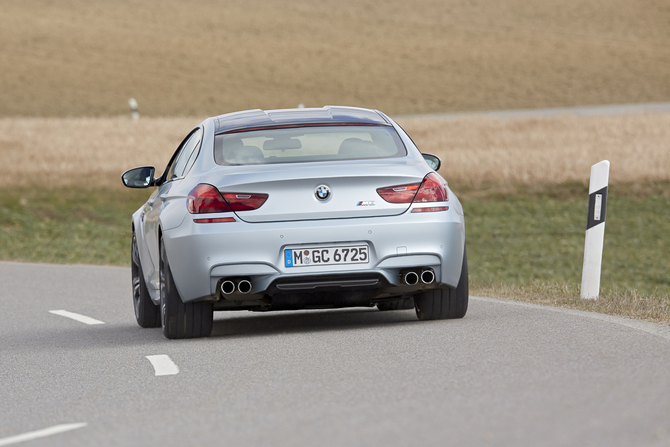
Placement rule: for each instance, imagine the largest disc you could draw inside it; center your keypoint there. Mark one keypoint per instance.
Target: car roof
(283, 117)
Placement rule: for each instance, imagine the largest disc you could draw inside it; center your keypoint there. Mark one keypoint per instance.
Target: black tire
(147, 313)
(442, 303)
(179, 319)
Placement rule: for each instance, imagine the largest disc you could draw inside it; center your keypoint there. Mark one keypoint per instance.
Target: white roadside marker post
(135, 114)
(595, 230)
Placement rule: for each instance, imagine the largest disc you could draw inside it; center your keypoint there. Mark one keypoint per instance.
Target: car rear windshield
(307, 143)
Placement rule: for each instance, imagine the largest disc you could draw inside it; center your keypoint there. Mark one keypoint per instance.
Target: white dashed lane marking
(163, 365)
(41, 433)
(78, 317)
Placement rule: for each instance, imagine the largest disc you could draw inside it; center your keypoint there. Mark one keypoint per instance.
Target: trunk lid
(292, 188)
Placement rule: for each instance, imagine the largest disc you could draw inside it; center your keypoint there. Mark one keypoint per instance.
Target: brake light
(245, 202)
(204, 199)
(399, 194)
(433, 189)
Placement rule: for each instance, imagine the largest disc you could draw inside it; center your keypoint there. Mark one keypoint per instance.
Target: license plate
(357, 254)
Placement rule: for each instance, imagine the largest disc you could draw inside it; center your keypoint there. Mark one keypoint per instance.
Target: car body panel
(353, 185)
(206, 248)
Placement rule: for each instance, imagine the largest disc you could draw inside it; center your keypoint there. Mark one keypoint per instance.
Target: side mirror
(139, 177)
(433, 161)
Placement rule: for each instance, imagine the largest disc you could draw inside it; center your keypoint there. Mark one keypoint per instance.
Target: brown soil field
(475, 151)
(77, 58)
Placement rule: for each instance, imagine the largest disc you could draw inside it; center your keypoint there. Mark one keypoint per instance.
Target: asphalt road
(506, 374)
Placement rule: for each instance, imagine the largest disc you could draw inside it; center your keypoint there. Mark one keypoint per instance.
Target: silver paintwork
(252, 247)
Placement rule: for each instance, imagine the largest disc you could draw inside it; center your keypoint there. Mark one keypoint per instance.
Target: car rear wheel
(146, 312)
(438, 304)
(179, 319)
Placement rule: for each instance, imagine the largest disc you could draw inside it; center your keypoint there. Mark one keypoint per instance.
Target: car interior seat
(237, 153)
(355, 147)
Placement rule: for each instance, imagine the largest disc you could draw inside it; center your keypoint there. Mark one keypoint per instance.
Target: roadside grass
(613, 300)
(524, 243)
(527, 244)
(67, 225)
(529, 236)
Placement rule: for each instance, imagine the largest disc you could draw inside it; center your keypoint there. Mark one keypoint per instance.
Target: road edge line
(656, 329)
(163, 365)
(77, 317)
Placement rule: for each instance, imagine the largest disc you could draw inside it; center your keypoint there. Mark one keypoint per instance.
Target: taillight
(399, 194)
(431, 189)
(206, 198)
(245, 202)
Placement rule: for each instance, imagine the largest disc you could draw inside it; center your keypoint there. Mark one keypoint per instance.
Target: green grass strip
(519, 239)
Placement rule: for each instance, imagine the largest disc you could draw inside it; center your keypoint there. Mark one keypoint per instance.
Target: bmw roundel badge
(322, 192)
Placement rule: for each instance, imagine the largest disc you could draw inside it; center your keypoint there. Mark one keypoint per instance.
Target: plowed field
(205, 57)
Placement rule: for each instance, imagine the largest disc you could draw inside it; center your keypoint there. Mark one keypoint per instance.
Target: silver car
(295, 209)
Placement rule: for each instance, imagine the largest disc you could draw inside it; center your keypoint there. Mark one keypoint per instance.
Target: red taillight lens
(206, 199)
(245, 202)
(433, 189)
(399, 194)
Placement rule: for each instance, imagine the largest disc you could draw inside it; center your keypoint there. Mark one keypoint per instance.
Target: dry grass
(546, 150)
(204, 57)
(624, 303)
(85, 151)
(474, 150)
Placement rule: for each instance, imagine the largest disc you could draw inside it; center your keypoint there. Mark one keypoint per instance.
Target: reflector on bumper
(215, 220)
(430, 209)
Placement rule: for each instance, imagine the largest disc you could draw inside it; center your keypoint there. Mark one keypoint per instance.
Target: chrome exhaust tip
(427, 276)
(244, 286)
(227, 287)
(411, 278)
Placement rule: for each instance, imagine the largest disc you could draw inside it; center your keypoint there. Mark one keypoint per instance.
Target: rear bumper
(201, 255)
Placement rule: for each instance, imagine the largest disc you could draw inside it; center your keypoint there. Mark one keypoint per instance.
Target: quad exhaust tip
(227, 287)
(427, 276)
(244, 286)
(411, 278)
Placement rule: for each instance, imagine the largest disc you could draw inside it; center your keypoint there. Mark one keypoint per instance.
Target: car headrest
(356, 146)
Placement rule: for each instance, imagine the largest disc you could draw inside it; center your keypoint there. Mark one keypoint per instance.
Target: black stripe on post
(597, 215)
